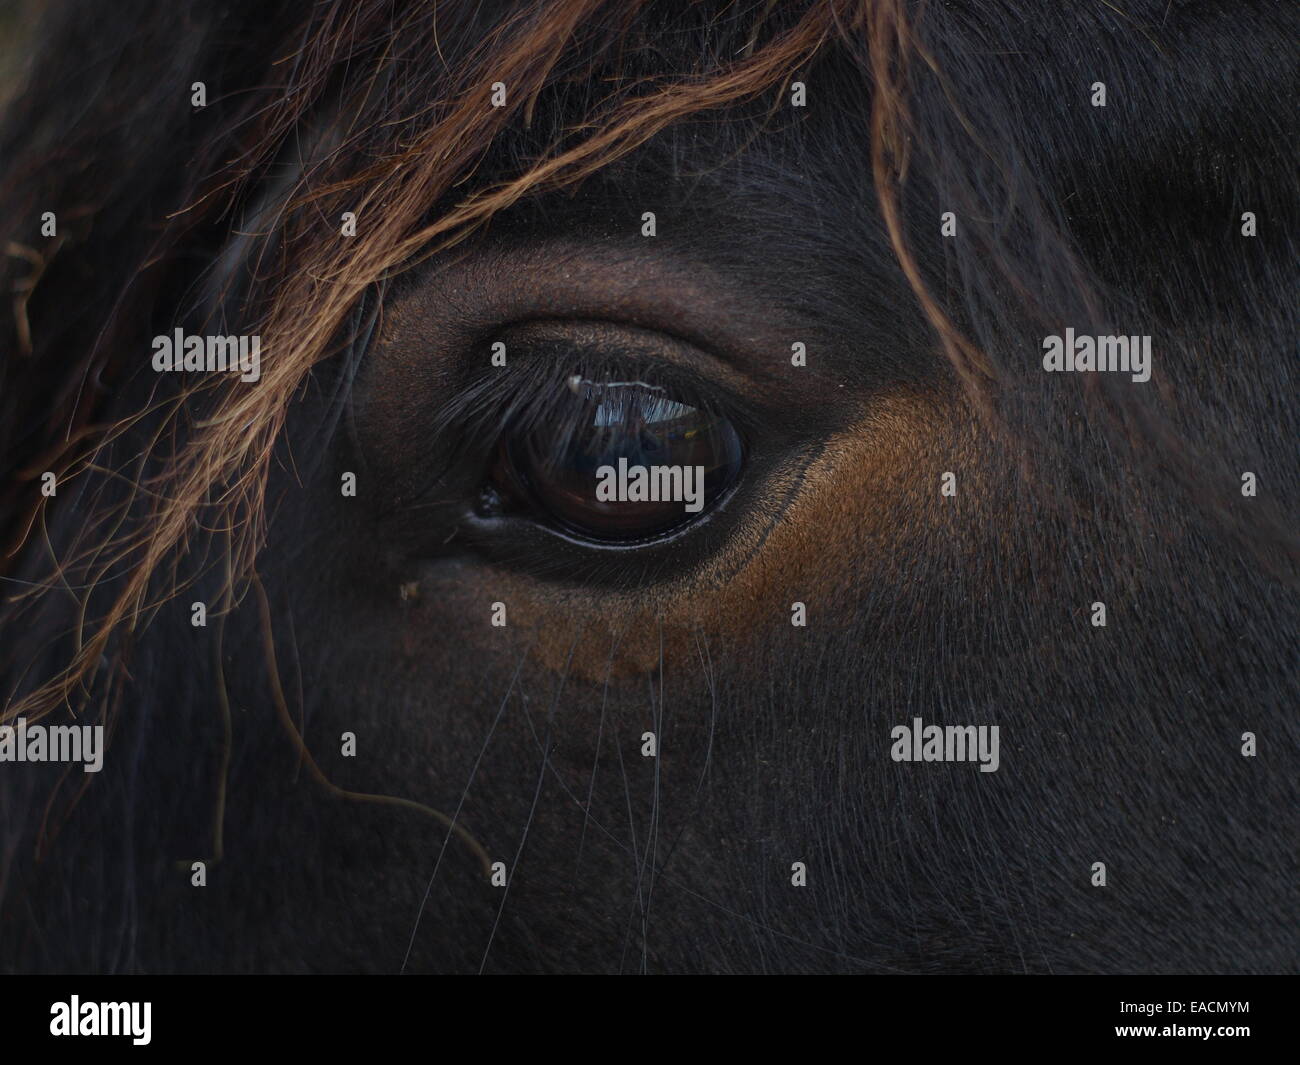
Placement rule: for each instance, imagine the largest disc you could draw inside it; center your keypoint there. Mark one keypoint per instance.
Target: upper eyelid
(533, 282)
(688, 386)
(637, 341)
(667, 379)
(540, 372)
(577, 380)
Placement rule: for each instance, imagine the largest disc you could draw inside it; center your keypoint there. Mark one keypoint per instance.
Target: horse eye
(621, 461)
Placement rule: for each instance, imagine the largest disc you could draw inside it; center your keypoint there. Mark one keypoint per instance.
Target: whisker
(532, 810)
(505, 699)
(600, 729)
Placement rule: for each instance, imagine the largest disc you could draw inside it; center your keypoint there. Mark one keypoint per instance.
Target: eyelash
(534, 392)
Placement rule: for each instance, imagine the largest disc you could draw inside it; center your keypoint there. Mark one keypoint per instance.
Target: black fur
(1120, 744)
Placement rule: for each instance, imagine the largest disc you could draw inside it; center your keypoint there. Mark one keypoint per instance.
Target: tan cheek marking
(871, 491)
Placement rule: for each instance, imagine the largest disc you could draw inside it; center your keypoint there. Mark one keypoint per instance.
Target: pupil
(633, 463)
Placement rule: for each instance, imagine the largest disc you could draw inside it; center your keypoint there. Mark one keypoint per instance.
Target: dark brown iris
(627, 462)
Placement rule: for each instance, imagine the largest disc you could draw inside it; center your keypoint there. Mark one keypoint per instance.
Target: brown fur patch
(857, 502)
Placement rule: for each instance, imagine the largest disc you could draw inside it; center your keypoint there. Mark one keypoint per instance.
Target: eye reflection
(624, 460)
